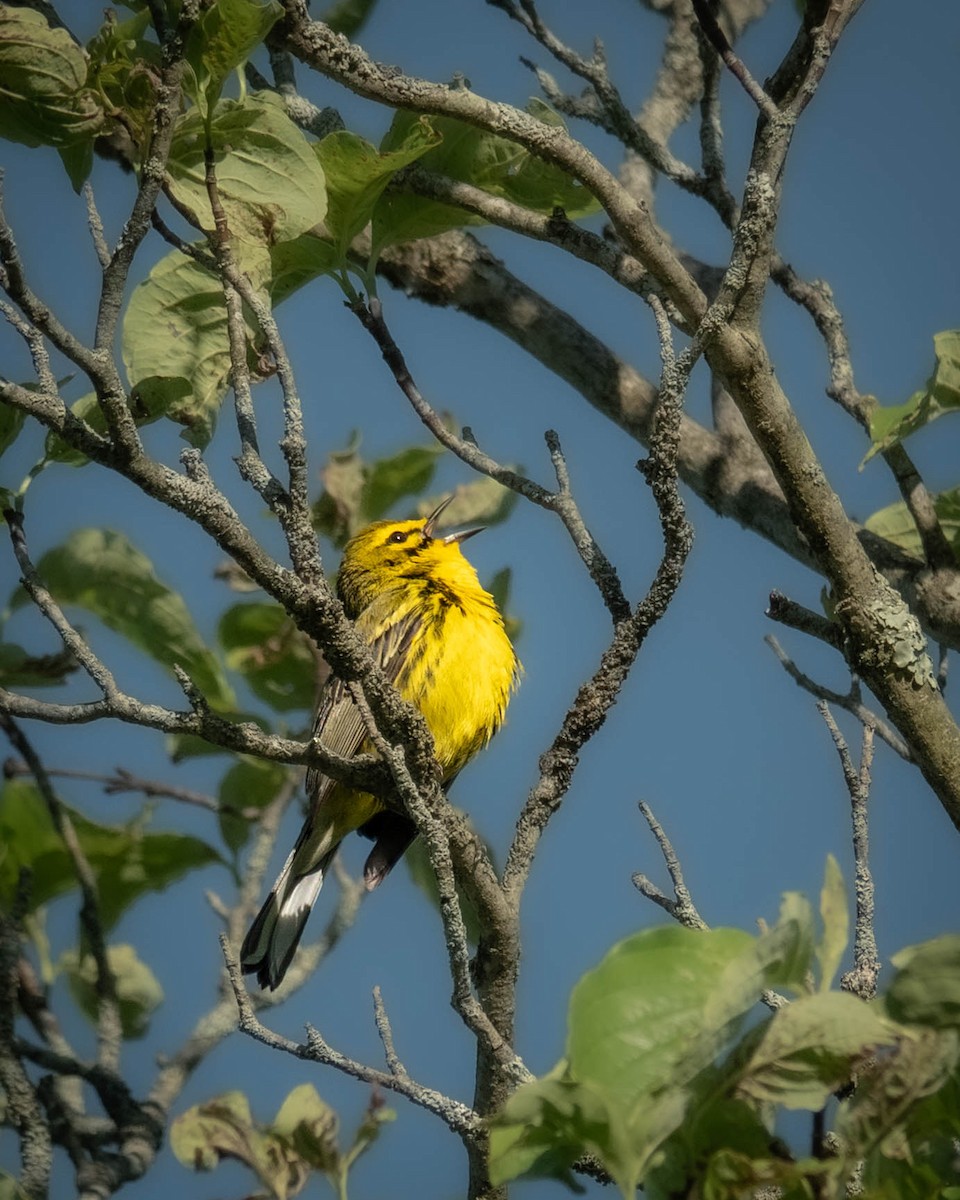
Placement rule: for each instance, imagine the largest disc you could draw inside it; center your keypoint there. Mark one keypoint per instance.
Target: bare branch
(862, 980)
(122, 781)
(681, 907)
(23, 1110)
(458, 1117)
(603, 105)
(733, 63)
(562, 502)
(595, 698)
(96, 227)
(851, 701)
(386, 1036)
(432, 828)
(109, 1033)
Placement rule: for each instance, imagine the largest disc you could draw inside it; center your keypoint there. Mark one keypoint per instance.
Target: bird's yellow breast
(460, 667)
(462, 681)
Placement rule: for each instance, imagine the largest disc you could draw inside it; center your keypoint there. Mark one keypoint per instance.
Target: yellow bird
(439, 637)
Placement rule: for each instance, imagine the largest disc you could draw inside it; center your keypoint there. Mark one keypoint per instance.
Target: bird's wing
(338, 723)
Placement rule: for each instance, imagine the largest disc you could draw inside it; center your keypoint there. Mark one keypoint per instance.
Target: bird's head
(385, 554)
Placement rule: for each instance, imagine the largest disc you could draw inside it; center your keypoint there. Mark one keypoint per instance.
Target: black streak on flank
(434, 588)
(446, 594)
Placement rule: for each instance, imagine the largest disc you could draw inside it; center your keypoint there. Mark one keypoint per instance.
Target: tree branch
(862, 980)
(456, 1116)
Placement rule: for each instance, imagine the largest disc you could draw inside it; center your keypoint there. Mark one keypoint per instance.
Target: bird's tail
(273, 937)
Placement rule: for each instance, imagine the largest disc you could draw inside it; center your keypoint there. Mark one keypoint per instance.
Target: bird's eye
(397, 536)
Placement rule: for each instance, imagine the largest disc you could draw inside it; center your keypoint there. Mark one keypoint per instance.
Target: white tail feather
(274, 936)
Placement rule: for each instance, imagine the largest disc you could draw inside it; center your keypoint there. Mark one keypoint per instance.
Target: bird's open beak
(431, 522)
(460, 536)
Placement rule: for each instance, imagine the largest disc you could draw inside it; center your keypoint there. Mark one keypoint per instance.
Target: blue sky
(709, 730)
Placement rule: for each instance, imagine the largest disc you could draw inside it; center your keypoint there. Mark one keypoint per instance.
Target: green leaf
(639, 1021)
(147, 403)
(310, 1125)
(250, 784)
(368, 1132)
(55, 449)
(198, 1136)
(546, 1126)
(124, 67)
(348, 16)
(270, 181)
(809, 1048)
(222, 40)
(897, 525)
(918, 1153)
(890, 424)
(44, 100)
(388, 480)
(175, 344)
(282, 1156)
(836, 924)
(903, 1098)
(224, 1128)
(713, 1122)
(77, 159)
(298, 262)
(481, 502)
(104, 573)
(494, 164)
(20, 669)
(499, 589)
(127, 861)
(138, 991)
(780, 958)
(265, 646)
(11, 422)
(357, 174)
(926, 988)
(357, 492)
(339, 513)
(10, 1189)
(731, 1175)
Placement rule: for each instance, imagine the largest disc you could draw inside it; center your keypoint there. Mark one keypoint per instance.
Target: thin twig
(681, 907)
(96, 226)
(817, 300)
(851, 701)
(596, 697)
(862, 980)
(788, 612)
(602, 105)
(436, 839)
(458, 1117)
(123, 781)
(109, 1033)
(251, 464)
(733, 63)
(23, 1110)
(38, 349)
(370, 315)
(386, 1036)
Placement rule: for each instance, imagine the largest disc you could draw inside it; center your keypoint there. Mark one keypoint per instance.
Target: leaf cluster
(672, 1080)
(301, 1139)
